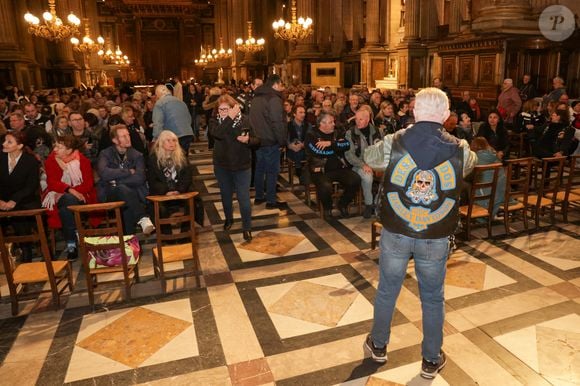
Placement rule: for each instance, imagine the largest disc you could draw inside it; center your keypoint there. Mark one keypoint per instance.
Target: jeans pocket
(437, 249)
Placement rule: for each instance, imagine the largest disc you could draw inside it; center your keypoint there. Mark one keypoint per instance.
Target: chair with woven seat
(104, 249)
(518, 177)
(517, 143)
(481, 197)
(186, 248)
(21, 276)
(571, 194)
(548, 182)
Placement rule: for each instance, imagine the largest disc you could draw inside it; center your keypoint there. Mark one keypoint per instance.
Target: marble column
(506, 16)
(372, 23)
(357, 16)
(412, 20)
(428, 29)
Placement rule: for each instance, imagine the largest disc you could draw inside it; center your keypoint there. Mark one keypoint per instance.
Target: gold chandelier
(53, 28)
(222, 53)
(296, 29)
(205, 57)
(88, 45)
(250, 45)
(115, 58)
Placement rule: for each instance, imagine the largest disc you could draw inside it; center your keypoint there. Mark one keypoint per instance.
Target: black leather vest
(422, 204)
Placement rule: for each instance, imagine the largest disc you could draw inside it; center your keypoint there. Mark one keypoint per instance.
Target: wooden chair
(376, 227)
(19, 277)
(548, 180)
(291, 167)
(517, 144)
(95, 242)
(186, 249)
(518, 177)
(572, 191)
(336, 194)
(481, 197)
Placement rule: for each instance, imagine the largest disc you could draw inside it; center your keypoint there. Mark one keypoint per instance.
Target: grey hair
(162, 90)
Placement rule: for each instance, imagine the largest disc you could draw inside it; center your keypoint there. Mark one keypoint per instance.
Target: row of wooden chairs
(533, 187)
(96, 244)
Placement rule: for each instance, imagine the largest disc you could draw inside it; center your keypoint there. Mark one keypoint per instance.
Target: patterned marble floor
(293, 307)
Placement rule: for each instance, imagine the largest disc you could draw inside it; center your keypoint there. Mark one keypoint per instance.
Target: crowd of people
(99, 145)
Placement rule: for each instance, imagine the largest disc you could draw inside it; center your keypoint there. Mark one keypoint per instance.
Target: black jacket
(22, 185)
(267, 117)
(228, 152)
(160, 185)
(329, 158)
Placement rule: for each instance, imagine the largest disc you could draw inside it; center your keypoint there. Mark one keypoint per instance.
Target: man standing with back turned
(424, 167)
(268, 120)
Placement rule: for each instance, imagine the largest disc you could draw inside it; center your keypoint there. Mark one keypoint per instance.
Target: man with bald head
(170, 113)
(360, 135)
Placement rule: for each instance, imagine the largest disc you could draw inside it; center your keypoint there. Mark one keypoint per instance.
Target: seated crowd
(115, 145)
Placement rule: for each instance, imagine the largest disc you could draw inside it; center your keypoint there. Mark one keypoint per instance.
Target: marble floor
(293, 307)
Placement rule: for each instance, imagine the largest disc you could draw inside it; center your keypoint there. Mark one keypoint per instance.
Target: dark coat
(158, 184)
(228, 152)
(267, 117)
(21, 186)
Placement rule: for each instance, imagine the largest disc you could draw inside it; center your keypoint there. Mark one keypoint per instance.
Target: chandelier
(221, 53)
(116, 58)
(205, 57)
(87, 46)
(297, 29)
(250, 45)
(53, 28)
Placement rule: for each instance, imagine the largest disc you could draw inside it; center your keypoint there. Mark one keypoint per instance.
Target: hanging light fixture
(205, 57)
(222, 53)
(115, 58)
(52, 28)
(87, 45)
(250, 45)
(297, 29)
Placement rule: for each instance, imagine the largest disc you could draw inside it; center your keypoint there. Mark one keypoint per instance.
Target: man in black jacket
(268, 120)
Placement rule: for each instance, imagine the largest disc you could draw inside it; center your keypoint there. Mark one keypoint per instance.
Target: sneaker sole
(375, 358)
(148, 230)
(427, 375)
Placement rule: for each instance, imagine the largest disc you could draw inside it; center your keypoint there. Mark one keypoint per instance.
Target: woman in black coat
(168, 172)
(232, 160)
(19, 184)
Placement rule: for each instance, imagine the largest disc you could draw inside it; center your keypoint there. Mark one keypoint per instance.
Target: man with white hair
(509, 102)
(557, 92)
(419, 209)
(172, 114)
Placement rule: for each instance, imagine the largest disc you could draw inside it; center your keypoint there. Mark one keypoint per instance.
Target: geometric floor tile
(135, 336)
(312, 305)
(205, 169)
(403, 375)
(259, 210)
(272, 243)
(555, 248)
(121, 340)
(550, 348)
(467, 274)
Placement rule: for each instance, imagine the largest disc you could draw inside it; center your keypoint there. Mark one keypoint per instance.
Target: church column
(455, 16)
(357, 17)
(372, 23)
(412, 20)
(506, 16)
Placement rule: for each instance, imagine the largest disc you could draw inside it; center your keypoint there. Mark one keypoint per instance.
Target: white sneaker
(147, 226)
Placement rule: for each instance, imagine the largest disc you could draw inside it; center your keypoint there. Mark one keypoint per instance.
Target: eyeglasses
(223, 109)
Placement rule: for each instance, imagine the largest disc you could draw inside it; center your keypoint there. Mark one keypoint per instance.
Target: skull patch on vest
(422, 190)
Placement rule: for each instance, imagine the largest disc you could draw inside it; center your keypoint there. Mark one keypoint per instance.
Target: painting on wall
(448, 71)
(486, 69)
(466, 71)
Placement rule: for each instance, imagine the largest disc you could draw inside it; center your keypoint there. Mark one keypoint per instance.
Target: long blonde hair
(177, 156)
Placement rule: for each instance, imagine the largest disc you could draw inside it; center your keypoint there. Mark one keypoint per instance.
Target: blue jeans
(238, 180)
(133, 210)
(268, 166)
(67, 217)
(184, 142)
(430, 257)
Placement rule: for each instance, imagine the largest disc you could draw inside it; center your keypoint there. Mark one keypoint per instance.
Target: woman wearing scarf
(168, 172)
(232, 160)
(486, 155)
(70, 182)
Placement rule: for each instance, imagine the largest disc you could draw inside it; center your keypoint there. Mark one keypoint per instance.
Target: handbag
(113, 257)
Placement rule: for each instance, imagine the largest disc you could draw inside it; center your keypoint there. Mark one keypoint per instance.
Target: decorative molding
(472, 45)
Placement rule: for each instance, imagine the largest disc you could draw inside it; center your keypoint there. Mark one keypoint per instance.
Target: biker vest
(422, 204)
